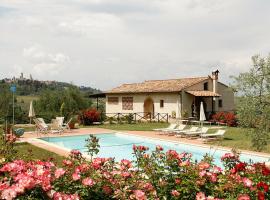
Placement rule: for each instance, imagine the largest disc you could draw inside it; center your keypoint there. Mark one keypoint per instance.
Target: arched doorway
(148, 108)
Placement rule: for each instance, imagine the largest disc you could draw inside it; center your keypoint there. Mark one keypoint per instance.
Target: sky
(104, 43)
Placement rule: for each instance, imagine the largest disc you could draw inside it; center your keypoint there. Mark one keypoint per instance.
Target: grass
(238, 138)
(131, 127)
(24, 101)
(28, 152)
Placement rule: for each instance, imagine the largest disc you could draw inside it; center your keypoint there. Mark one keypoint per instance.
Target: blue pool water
(120, 146)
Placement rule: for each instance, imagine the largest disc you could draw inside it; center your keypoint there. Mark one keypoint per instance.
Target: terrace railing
(140, 116)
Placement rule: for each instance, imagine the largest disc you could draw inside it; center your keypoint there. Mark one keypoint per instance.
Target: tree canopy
(253, 109)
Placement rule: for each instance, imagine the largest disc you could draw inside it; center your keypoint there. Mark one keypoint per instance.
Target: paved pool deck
(32, 138)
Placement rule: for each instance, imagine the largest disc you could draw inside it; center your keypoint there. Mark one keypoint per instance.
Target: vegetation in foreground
(151, 175)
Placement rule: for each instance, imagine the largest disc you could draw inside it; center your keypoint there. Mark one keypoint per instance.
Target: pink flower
(8, 194)
(62, 196)
(247, 182)
(200, 196)
(76, 176)
(139, 195)
(213, 178)
(243, 197)
(203, 165)
(175, 193)
(177, 181)
(148, 186)
(216, 170)
(126, 163)
(88, 182)
(125, 174)
(59, 172)
(67, 162)
(202, 173)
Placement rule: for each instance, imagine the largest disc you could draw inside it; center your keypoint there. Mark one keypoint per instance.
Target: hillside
(35, 87)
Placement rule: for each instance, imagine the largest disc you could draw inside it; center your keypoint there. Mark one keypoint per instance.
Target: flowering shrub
(225, 117)
(152, 175)
(89, 116)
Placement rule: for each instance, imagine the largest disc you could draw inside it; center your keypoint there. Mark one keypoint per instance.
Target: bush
(225, 117)
(152, 175)
(87, 117)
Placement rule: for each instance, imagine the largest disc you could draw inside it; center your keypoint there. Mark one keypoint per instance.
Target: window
(205, 86)
(161, 103)
(127, 103)
(220, 103)
(113, 100)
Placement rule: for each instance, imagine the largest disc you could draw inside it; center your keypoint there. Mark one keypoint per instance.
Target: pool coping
(214, 147)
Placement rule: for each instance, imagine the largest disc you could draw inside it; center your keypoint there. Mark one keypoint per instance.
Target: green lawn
(27, 152)
(131, 127)
(239, 139)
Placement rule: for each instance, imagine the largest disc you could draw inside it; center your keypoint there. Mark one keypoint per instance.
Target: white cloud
(45, 63)
(104, 43)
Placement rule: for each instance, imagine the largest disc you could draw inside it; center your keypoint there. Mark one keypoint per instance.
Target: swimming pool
(119, 145)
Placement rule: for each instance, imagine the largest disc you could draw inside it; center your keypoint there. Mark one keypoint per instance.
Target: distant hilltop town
(29, 86)
(24, 79)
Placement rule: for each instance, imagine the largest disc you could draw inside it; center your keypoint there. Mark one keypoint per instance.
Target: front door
(148, 108)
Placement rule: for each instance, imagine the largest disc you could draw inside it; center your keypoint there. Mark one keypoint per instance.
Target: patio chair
(60, 120)
(197, 133)
(217, 134)
(41, 126)
(66, 126)
(171, 127)
(57, 126)
(181, 133)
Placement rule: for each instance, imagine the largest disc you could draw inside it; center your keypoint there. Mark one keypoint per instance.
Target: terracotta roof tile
(203, 93)
(171, 85)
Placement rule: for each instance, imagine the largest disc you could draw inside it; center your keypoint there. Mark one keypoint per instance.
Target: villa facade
(178, 97)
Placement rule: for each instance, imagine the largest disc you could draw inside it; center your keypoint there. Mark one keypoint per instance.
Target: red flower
(262, 185)
(265, 170)
(261, 195)
(240, 166)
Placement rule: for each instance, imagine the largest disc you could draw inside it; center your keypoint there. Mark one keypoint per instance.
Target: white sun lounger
(192, 129)
(171, 127)
(181, 127)
(217, 134)
(197, 133)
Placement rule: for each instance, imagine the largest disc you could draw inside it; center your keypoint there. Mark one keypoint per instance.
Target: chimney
(215, 81)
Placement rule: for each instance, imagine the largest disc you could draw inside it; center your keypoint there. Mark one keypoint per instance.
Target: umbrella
(202, 114)
(31, 111)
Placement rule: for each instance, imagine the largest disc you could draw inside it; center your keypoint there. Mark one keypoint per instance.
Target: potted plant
(72, 122)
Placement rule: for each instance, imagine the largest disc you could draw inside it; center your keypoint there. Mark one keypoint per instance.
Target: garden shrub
(228, 118)
(152, 175)
(88, 116)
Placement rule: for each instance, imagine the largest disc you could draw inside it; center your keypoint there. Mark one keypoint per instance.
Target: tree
(254, 103)
(65, 102)
(5, 100)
